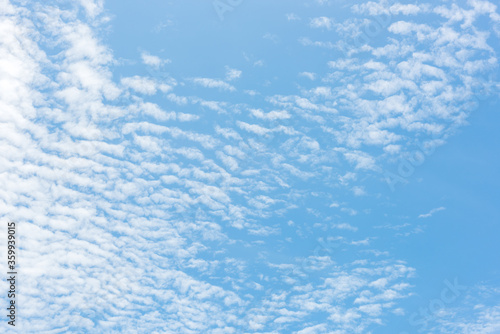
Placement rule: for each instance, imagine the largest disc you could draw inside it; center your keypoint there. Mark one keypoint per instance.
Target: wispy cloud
(430, 213)
(232, 73)
(214, 83)
(154, 61)
(322, 22)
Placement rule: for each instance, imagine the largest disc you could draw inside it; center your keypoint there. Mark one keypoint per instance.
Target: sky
(237, 166)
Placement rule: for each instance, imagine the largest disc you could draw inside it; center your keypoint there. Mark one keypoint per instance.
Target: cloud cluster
(155, 216)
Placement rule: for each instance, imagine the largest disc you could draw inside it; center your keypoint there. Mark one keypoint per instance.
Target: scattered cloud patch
(430, 213)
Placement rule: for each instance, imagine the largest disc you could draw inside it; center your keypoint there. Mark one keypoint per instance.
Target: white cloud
(228, 161)
(257, 129)
(430, 213)
(292, 17)
(92, 7)
(322, 22)
(272, 115)
(232, 74)
(358, 191)
(322, 44)
(309, 75)
(144, 85)
(213, 83)
(345, 226)
(409, 9)
(361, 160)
(154, 61)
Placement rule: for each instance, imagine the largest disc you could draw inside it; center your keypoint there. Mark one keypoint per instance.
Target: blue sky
(236, 166)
